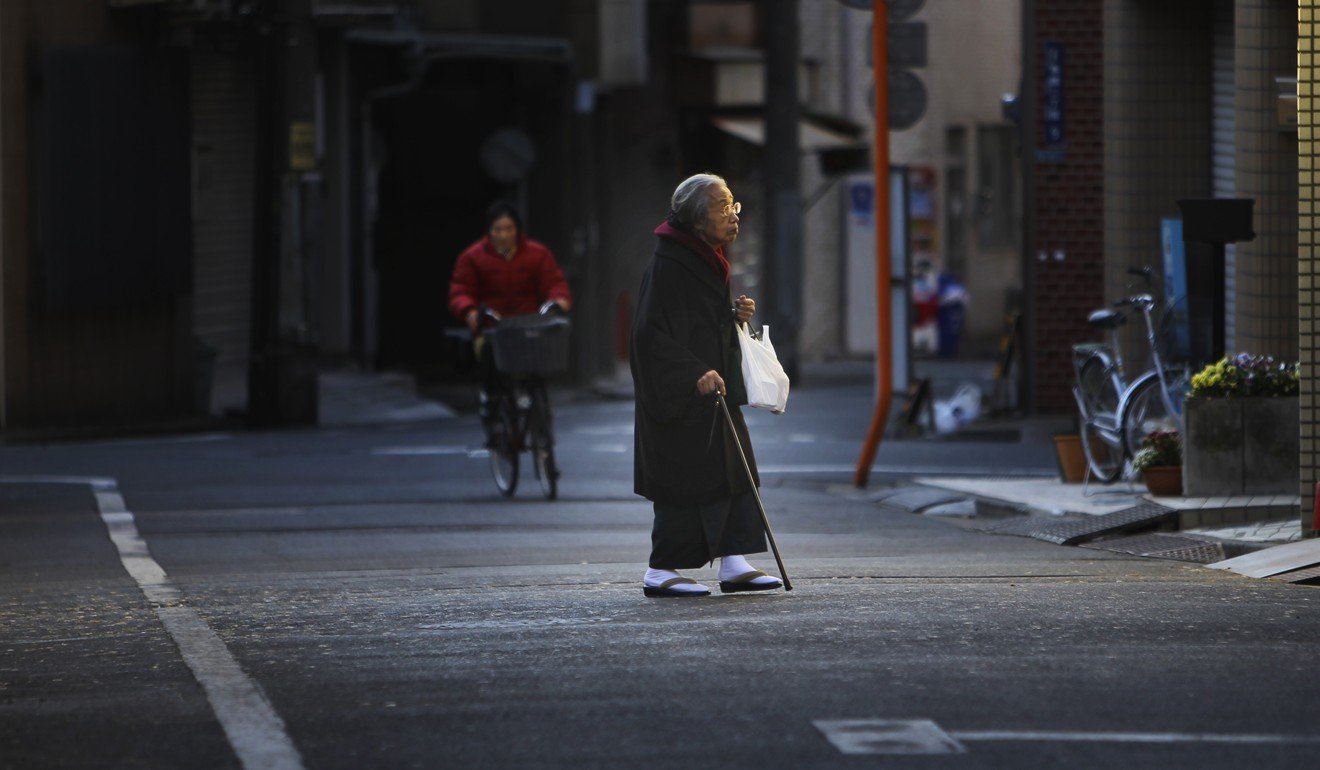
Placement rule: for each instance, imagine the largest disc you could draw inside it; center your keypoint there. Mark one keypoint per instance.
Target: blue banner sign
(1177, 322)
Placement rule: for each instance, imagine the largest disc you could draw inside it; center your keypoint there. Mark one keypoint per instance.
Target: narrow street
(362, 598)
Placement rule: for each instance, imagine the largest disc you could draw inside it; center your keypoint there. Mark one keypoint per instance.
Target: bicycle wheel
(1145, 410)
(1103, 448)
(1100, 386)
(543, 444)
(502, 444)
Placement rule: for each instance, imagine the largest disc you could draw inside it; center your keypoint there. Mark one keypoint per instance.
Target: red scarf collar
(714, 256)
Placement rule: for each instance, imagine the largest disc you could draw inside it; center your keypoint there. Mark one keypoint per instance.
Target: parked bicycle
(1117, 413)
(518, 417)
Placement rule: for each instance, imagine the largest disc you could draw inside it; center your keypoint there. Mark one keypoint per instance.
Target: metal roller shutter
(1223, 161)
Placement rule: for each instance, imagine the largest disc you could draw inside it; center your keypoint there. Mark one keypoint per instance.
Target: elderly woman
(684, 350)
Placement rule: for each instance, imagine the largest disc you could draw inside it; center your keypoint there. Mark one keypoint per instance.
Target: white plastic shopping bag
(767, 384)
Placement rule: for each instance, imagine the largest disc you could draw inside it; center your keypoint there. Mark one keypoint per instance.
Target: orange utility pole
(884, 353)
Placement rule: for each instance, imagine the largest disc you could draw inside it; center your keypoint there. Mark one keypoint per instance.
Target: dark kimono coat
(682, 328)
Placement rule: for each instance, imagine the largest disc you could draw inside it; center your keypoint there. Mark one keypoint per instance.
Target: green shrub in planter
(1159, 449)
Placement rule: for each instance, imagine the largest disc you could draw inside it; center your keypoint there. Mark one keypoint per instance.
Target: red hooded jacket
(510, 287)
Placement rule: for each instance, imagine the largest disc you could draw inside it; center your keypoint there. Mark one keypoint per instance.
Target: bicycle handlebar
(551, 307)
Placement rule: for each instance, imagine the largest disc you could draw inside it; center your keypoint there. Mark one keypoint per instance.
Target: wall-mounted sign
(302, 145)
(907, 44)
(907, 99)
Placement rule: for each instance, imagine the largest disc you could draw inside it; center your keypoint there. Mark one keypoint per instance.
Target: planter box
(1241, 446)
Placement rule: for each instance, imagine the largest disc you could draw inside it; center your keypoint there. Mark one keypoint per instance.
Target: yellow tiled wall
(1308, 239)
(1266, 162)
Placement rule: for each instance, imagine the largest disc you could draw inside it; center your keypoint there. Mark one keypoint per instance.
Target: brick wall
(1308, 236)
(1069, 207)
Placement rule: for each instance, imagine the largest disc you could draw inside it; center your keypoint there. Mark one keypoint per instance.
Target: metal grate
(1023, 526)
(1178, 547)
(1136, 518)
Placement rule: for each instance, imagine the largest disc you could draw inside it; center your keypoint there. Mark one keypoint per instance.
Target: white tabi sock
(733, 566)
(656, 577)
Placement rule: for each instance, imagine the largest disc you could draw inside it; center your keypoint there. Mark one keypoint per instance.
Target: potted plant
(1160, 462)
(1242, 434)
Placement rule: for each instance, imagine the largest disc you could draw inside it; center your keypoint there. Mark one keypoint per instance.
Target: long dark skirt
(689, 536)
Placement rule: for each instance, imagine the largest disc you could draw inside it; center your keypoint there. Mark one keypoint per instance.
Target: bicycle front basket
(530, 344)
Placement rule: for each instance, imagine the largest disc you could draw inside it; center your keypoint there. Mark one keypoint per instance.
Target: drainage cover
(1138, 517)
(1201, 550)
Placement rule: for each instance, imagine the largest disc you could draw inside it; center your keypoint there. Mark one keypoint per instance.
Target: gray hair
(691, 201)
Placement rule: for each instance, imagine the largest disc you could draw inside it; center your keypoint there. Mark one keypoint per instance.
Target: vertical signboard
(1178, 328)
(1052, 95)
(859, 271)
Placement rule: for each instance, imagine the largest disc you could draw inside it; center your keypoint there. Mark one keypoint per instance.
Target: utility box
(1217, 220)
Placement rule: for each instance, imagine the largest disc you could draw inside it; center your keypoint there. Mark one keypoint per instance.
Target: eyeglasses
(731, 209)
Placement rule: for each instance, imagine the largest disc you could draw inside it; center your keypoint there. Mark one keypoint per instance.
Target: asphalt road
(362, 599)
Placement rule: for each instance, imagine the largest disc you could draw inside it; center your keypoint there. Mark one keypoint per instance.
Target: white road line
(621, 429)
(95, 482)
(255, 731)
(407, 451)
(1099, 737)
(923, 470)
(888, 736)
(200, 438)
(923, 736)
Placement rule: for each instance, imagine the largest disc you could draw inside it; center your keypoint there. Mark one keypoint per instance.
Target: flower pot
(1164, 480)
(1072, 462)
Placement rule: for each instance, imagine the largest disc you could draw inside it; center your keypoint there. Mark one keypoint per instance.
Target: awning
(459, 46)
(811, 137)
(837, 152)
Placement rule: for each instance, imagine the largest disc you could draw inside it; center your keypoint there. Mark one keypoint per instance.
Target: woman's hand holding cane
(710, 382)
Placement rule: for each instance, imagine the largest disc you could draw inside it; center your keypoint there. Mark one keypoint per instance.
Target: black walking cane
(765, 520)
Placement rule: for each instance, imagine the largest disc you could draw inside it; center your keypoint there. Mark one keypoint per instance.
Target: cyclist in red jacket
(508, 273)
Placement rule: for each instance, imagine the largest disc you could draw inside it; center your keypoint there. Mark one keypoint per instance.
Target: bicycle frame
(521, 406)
(1157, 362)
(1145, 303)
(1132, 410)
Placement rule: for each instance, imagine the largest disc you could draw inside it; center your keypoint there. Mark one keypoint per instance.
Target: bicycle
(517, 416)
(1116, 415)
